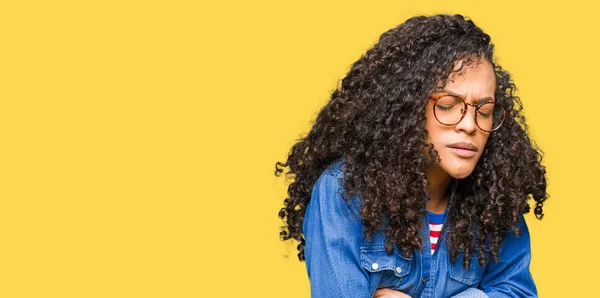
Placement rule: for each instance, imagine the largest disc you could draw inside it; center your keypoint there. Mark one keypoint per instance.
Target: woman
(415, 176)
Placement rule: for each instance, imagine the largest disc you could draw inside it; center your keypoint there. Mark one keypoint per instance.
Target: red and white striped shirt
(436, 221)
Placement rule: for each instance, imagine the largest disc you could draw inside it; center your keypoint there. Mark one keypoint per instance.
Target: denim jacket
(342, 263)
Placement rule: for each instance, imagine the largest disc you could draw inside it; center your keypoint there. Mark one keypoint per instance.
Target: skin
(473, 83)
(478, 81)
(389, 293)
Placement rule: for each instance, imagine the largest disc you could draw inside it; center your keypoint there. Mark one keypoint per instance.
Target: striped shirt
(436, 221)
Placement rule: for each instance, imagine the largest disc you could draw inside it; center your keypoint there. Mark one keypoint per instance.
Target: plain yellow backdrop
(138, 138)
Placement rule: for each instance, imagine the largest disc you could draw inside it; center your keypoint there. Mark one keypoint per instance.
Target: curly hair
(375, 121)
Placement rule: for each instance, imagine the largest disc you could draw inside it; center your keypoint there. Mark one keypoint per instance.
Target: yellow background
(138, 138)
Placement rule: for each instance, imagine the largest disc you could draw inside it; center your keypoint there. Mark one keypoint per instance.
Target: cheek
(431, 126)
(434, 137)
(482, 142)
(435, 132)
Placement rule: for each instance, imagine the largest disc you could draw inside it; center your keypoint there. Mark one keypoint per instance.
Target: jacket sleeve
(333, 231)
(471, 293)
(510, 276)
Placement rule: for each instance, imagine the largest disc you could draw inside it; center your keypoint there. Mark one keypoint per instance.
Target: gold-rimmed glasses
(450, 109)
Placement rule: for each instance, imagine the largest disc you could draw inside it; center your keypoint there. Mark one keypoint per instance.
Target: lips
(464, 146)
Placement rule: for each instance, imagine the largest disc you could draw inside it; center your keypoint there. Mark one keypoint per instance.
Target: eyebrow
(478, 101)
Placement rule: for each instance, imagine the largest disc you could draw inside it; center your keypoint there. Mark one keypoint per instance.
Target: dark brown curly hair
(375, 122)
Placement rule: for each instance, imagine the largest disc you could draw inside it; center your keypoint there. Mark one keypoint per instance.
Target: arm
(333, 233)
(471, 293)
(510, 277)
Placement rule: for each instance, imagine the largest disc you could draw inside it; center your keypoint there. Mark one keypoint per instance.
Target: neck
(438, 190)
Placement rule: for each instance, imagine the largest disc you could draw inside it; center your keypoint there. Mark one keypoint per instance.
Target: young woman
(415, 176)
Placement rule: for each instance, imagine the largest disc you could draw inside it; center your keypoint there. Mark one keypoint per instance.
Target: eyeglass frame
(436, 96)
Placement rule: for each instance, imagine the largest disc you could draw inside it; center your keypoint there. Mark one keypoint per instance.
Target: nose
(467, 123)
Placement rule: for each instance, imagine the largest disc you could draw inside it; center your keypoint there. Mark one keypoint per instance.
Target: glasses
(450, 109)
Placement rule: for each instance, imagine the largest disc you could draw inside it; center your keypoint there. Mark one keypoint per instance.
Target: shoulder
(332, 178)
(336, 168)
(522, 225)
(513, 243)
(328, 191)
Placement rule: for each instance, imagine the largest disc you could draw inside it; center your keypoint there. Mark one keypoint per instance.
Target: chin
(458, 172)
(460, 175)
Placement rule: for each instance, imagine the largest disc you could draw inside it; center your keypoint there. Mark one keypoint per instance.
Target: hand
(389, 293)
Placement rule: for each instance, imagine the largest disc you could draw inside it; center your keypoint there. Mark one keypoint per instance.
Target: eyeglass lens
(449, 110)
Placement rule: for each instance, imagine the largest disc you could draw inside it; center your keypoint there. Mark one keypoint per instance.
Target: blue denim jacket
(342, 263)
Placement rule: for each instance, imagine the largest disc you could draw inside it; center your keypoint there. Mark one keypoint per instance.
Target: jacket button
(423, 280)
(375, 266)
(398, 269)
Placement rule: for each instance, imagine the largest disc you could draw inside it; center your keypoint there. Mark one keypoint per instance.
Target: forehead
(476, 79)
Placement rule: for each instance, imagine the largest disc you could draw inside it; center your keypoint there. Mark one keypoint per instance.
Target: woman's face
(475, 84)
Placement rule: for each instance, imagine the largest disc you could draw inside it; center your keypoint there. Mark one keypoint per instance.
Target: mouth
(463, 149)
